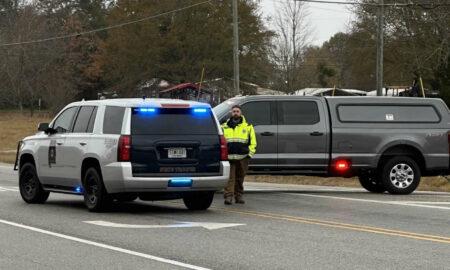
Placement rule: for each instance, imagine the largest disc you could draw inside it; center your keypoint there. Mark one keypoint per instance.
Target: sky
(325, 19)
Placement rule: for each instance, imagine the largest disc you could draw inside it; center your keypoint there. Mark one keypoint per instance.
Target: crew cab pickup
(388, 142)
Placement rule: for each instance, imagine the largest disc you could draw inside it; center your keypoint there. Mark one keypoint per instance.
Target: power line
(422, 5)
(103, 28)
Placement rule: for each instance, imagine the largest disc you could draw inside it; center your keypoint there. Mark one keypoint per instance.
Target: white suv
(122, 149)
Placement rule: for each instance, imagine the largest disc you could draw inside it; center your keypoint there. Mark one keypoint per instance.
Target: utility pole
(380, 48)
(235, 47)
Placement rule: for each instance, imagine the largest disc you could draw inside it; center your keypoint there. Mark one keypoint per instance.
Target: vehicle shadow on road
(136, 207)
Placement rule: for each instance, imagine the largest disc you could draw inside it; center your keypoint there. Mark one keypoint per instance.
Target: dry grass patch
(16, 125)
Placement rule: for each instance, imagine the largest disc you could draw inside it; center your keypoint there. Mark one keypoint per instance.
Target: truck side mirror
(43, 127)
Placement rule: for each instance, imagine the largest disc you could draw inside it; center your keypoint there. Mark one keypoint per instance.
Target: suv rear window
(112, 122)
(173, 121)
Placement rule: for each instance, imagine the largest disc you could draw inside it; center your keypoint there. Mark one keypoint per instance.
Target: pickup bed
(388, 142)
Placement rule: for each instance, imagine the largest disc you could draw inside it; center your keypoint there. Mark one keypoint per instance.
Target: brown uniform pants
(235, 185)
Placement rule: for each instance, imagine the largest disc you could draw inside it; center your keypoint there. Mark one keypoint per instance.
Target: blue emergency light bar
(147, 110)
(180, 182)
(200, 110)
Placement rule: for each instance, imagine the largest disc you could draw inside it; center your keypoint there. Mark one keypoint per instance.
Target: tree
(290, 44)
(175, 47)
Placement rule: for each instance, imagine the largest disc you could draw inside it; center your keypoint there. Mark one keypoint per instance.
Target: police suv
(122, 149)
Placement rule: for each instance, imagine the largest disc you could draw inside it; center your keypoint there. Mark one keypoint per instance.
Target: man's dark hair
(237, 106)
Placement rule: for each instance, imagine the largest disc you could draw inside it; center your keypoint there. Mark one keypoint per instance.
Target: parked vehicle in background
(389, 143)
(122, 149)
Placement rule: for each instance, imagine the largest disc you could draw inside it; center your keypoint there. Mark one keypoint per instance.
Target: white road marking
(206, 225)
(8, 189)
(375, 201)
(420, 202)
(105, 246)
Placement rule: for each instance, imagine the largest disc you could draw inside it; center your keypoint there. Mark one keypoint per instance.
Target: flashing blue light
(78, 189)
(180, 182)
(147, 110)
(200, 110)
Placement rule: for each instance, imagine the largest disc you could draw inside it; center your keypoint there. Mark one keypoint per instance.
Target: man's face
(236, 113)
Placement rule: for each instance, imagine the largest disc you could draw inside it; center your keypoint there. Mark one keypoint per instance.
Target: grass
(15, 125)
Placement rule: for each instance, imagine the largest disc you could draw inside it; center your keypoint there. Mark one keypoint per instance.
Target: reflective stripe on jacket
(241, 140)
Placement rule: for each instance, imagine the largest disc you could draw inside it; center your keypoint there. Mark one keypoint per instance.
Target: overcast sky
(325, 19)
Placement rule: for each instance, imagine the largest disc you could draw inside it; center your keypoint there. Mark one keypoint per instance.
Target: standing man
(241, 143)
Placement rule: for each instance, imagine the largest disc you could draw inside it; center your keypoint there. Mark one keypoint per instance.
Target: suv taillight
(123, 153)
(223, 149)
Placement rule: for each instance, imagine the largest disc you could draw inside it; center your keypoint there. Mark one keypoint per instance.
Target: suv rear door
(167, 142)
(302, 135)
(262, 114)
(77, 143)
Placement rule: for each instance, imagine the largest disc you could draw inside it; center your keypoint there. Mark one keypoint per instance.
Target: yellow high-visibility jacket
(241, 140)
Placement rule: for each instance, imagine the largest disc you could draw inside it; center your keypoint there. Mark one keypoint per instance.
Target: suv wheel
(371, 183)
(95, 196)
(30, 187)
(198, 200)
(401, 175)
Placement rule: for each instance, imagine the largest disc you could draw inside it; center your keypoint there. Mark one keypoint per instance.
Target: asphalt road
(280, 227)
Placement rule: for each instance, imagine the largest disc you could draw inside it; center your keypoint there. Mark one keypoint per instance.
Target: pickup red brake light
(124, 150)
(223, 149)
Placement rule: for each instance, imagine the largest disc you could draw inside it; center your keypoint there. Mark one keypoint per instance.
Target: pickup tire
(372, 183)
(96, 198)
(29, 185)
(198, 200)
(400, 175)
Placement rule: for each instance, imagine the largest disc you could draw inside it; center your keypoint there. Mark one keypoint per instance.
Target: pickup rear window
(172, 121)
(388, 113)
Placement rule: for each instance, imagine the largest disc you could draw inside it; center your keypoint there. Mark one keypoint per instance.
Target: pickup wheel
(30, 187)
(96, 198)
(401, 175)
(198, 200)
(371, 183)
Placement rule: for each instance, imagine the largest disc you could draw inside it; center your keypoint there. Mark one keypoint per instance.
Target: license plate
(177, 153)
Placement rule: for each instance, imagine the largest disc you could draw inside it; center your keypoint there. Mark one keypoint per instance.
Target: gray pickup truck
(389, 143)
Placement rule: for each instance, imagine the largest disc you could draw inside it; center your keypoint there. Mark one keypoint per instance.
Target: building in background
(187, 91)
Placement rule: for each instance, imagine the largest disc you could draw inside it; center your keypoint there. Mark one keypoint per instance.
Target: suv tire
(371, 183)
(96, 198)
(30, 187)
(198, 200)
(401, 175)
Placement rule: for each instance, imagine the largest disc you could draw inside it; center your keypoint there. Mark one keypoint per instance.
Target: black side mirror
(43, 127)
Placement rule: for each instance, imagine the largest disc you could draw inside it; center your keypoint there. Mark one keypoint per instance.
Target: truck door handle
(316, 133)
(83, 143)
(59, 143)
(267, 133)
